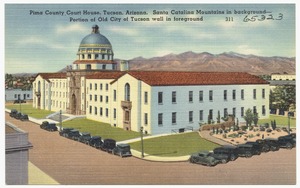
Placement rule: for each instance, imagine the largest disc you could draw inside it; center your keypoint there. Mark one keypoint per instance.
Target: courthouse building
(158, 101)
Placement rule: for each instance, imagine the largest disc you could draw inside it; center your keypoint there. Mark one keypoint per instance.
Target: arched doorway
(73, 106)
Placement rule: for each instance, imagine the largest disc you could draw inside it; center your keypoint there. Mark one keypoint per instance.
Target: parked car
(44, 124)
(18, 115)
(273, 144)
(245, 150)
(258, 148)
(225, 153)
(73, 134)
(264, 146)
(19, 101)
(13, 113)
(64, 131)
(24, 117)
(95, 141)
(51, 127)
(108, 145)
(123, 150)
(204, 158)
(84, 137)
(286, 142)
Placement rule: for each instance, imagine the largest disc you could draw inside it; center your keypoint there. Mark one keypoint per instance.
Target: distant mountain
(228, 61)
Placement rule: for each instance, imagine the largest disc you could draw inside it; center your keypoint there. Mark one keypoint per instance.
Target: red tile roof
(165, 78)
(52, 75)
(105, 75)
(94, 62)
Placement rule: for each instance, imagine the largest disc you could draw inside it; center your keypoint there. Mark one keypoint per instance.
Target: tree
(255, 118)
(248, 117)
(282, 97)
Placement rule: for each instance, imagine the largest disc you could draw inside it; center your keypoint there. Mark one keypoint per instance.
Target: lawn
(280, 120)
(29, 110)
(174, 145)
(101, 129)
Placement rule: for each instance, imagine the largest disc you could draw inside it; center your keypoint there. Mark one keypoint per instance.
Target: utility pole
(60, 120)
(142, 142)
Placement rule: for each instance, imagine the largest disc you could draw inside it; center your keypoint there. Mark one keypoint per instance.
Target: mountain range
(228, 62)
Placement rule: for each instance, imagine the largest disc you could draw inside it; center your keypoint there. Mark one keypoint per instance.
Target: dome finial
(95, 29)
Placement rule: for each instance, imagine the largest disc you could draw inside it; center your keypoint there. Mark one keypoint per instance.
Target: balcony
(126, 104)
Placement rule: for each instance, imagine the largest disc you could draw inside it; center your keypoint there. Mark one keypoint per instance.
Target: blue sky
(47, 43)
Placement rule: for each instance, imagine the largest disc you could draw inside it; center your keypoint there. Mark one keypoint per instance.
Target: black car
(84, 137)
(108, 145)
(123, 150)
(51, 127)
(18, 115)
(225, 153)
(13, 113)
(273, 144)
(24, 117)
(204, 158)
(64, 131)
(245, 150)
(258, 148)
(95, 141)
(286, 142)
(264, 146)
(73, 134)
(44, 124)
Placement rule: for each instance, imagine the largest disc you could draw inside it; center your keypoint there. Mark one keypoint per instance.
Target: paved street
(70, 162)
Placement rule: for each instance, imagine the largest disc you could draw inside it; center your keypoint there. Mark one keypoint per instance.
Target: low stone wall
(223, 125)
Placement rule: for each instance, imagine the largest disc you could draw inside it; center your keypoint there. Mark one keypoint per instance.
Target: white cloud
(67, 29)
(245, 49)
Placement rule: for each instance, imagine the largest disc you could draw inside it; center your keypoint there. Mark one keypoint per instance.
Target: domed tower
(95, 53)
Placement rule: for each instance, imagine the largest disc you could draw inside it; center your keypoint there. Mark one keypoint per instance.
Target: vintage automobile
(18, 115)
(245, 150)
(51, 127)
(204, 158)
(123, 150)
(73, 134)
(108, 145)
(84, 137)
(24, 117)
(258, 148)
(225, 153)
(270, 142)
(264, 146)
(64, 131)
(95, 141)
(19, 101)
(13, 113)
(286, 142)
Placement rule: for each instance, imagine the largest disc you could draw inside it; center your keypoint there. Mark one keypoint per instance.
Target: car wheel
(224, 161)
(232, 157)
(289, 146)
(248, 154)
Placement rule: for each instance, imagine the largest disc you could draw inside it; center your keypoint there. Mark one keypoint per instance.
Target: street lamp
(142, 142)
(289, 121)
(60, 120)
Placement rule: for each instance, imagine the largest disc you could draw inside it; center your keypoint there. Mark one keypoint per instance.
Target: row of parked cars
(18, 115)
(228, 153)
(108, 145)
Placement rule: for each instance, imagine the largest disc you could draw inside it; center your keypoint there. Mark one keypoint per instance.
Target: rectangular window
(101, 98)
(101, 86)
(242, 111)
(91, 86)
(115, 113)
(233, 95)
(225, 95)
(95, 98)
(201, 96)
(173, 96)
(254, 93)
(106, 112)
(101, 111)
(263, 110)
(115, 95)
(90, 109)
(160, 97)
(160, 119)
(91, 97)
(190, 116)
(106, 99)
(15, 96)
(95, 109)
(242, 94)
(201, 115)
(173, 117)
(211, 95)
(95, 86)
(211, 114)
(233, 111)
(190, 96)
(146, 97)
(254, 110)
(225, 112)
(145, 118)
(263, 94)
(106, 87)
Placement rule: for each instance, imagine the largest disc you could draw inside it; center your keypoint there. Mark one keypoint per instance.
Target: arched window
(127, 92)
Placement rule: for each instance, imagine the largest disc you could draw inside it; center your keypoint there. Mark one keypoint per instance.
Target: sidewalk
(37, 177)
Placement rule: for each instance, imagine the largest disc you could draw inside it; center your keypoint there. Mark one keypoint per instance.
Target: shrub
(267, 125)
(233, 135)
(224, 136)
(269, 130)
(257, 134)
(244, 128)
(251, 128)
(251, 136)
